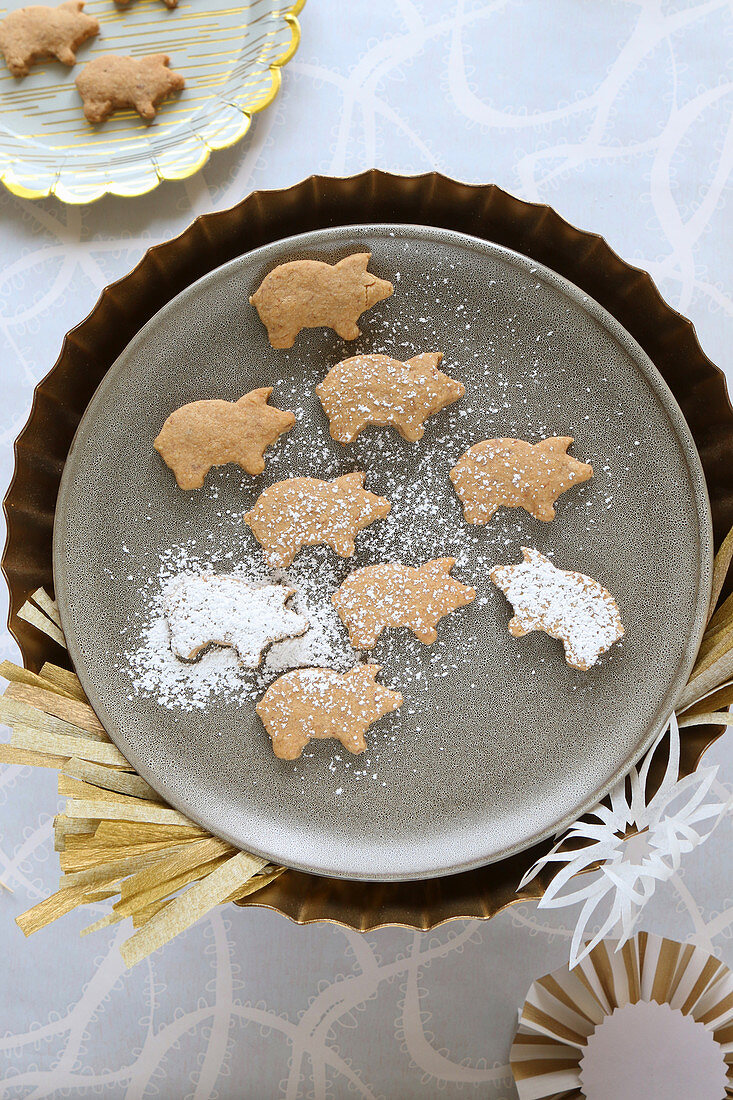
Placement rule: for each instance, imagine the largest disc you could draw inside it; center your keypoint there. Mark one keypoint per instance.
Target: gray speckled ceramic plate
(499, 743)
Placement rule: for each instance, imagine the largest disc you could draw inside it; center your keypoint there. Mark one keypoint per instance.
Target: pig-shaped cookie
(375, 389)
(394, 595)
(318, 702)
(311, 294)
(111, 83)
(512, 473)
(32, 34)
(168, 3)
(566, 605)
(203, 434)
(223, 609)
(305, 511)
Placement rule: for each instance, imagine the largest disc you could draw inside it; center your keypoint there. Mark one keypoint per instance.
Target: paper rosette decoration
(563, 1009)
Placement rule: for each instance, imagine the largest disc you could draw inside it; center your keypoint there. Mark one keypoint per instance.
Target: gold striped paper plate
(231, 56)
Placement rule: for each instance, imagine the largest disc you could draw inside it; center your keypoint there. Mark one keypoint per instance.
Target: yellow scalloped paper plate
(231, 57)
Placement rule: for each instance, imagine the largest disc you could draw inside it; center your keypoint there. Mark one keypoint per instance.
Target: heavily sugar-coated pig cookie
(318, 702)
(112, 83)
(32, 34)
(511, 473)
(213, 433)
(311, 294)
(305, 511)
(204, 609)
(393, 595)
(375, 389)
(569, 606)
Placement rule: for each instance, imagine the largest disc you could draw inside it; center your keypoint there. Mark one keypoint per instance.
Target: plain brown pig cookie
(511, 473)
(31, 34)
(168, 3)
(111, 83)
(213, 433)
(318, 702)
(566, 605)
(305, 511)
(311, 294)
(394, 595)
(375, 389)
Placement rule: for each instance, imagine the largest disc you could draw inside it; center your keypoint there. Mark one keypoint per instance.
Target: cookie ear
(356, 263)
(367, 673)
(354, 480)
(439, 565)
(556, 444)
(256, 397)
(429, 359)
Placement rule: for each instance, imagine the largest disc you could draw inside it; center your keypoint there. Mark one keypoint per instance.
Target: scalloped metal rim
(432, 199)
(180, 171)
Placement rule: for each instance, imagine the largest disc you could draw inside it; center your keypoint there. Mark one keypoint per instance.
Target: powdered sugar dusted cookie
(111, 83)
(213, 433)
(318, 702)
(227, 610)
(32, 34)
(305, 511)
(311, 294)
(375, 389)
(394, 595)
(566, 605)
(511, 473)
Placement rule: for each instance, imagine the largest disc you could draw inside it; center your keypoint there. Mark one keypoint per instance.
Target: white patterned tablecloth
(618, 113)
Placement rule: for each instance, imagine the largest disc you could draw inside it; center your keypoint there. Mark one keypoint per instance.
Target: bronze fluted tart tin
(431, 200)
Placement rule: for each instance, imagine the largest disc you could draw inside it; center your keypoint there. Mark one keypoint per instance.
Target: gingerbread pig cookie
(214, 433)
(305, 511)
(204, 609)
(511, 473)
(394, 595)
(111, 83)
(375, 389)
(28, 35)
(318, 703)
(569, 606)
(171, 4)
(312, 294)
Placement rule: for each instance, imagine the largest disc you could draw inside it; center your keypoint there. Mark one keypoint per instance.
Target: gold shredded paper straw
(118, 838)
(563, 1009)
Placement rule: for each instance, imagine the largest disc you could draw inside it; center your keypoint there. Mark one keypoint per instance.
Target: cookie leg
(65, 55)
(145, 107)
(17, 64)
(353, 741)
(344, 432)
(366, 635)
(281, 337)
(543, 511)
(97, 110)
(344, 547)
(426, 634)
(517, 629)
(347, 330)
(411, 431)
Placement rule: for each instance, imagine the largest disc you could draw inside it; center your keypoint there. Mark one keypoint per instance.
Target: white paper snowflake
(635, 844)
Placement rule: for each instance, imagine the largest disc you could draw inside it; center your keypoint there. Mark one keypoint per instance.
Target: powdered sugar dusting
(506, 395)
(205, 608)
(158, 672)
(565, 604)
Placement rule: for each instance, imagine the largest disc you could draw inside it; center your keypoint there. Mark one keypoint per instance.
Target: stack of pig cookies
(107, 84)
(359, 392)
